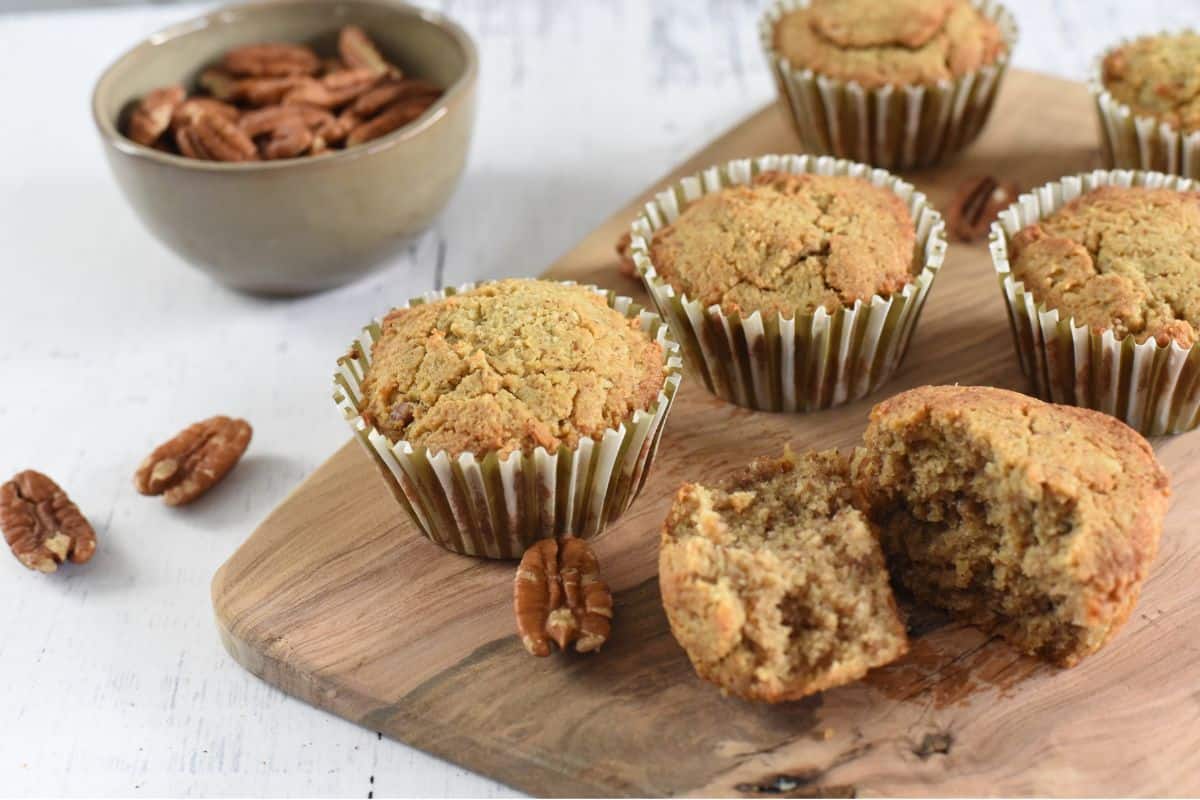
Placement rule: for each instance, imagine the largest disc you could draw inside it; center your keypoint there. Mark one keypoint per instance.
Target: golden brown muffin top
(789, 244)
(511, 365)
(1158, 76)
(897, 42)
(1120, 258)
(1106, 467)
(773, 581)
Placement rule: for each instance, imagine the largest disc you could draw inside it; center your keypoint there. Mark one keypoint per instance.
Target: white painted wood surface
(112, 680)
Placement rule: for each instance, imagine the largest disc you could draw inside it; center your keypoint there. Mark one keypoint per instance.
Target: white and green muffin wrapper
(1152, 388)
(496, 507)
(894, 127)
(1131, 141)
(805, 361)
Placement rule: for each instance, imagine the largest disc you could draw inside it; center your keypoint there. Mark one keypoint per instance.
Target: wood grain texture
(337, 600)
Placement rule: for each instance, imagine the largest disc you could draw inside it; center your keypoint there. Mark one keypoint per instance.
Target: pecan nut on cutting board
(976, 204)
(194, 461)
(41, 524)
(558, 597)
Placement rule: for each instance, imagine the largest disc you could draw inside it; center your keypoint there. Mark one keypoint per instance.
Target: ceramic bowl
(306, 224)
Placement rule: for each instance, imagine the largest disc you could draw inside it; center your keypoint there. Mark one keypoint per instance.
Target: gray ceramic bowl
(288, 227)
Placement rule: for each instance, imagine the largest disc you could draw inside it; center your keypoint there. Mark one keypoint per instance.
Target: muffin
(512, 411)
(794, 283)
(899, 84)
(789, 244)
(1036, 521)
(1146, 94)
(1101, 273)
(1120, 258)
(774, 583)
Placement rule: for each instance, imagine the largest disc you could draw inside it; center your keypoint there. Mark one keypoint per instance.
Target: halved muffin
(774, 582)
(1034, 520)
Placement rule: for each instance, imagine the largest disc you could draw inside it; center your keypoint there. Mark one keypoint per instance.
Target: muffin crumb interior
(774, 582)
(1036, 521)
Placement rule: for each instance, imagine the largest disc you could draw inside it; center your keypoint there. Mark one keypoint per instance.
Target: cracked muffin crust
(1125, 258)
(1159, 77)
(774, 583)
(507, 366)
(789, 244)
(1037, 521)
(899, 42)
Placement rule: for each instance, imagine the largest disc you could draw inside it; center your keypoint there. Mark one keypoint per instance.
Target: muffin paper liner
(1131, 141)
(895, 127)
(807, 361)
(494, 507)
(1154, 389)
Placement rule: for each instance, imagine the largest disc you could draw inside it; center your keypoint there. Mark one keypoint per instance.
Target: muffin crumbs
(774, 583)
(1036, 521)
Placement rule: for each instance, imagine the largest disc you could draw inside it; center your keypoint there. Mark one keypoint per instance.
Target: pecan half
(334, 90)
(218, 83)
(624, 250)
(263, 91)
(331, 65)
(976, 204)
(357, 50)
(558, 596)
(335, 132)
(194, 108)
(388, 120)
(265, 121)
(390, 91)
(289, 139)
(194, 461)
(271, 59)
(152, 116)
(215, 138)
(41, 524)
(260, 92)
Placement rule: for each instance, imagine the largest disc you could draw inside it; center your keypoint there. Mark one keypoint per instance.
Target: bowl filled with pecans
(290, 146)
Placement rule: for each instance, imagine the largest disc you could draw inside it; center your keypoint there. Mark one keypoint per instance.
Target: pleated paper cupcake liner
(894, 127)
(1130, 141)
(803, 362)
(496, 507)
(1154, 389)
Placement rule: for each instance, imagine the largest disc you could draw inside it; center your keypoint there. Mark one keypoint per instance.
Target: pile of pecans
(276, 100)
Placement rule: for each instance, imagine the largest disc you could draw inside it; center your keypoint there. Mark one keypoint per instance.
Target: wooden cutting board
(337, 600)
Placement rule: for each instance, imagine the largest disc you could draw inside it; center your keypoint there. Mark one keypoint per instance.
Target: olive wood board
(338, 600)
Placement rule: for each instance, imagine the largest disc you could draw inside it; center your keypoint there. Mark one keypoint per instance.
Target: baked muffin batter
(511, 365)
(1121, 258)
(897, 42)
(774, 582)
(1035, 520)
(1158, 76)
(789, 244)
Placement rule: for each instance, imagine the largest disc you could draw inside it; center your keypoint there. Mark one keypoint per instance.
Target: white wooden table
(112, 679)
